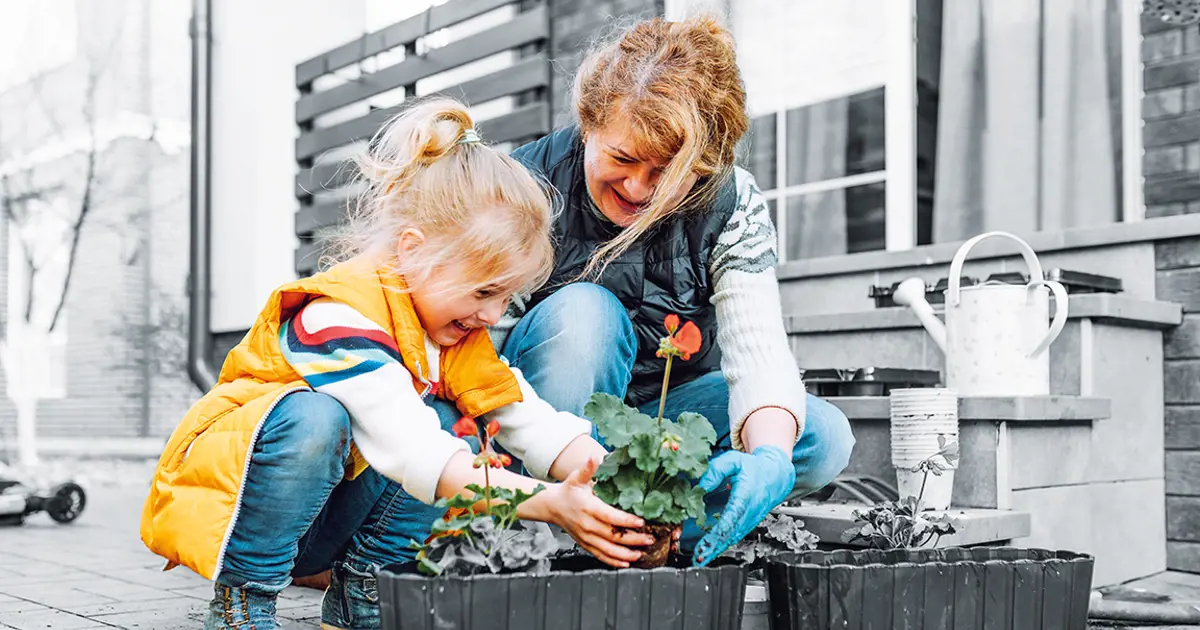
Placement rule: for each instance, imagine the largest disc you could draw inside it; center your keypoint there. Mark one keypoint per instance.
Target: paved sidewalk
(95, 573)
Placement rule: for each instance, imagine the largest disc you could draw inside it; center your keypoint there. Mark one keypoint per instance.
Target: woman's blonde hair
(677, 87)
(427, 170)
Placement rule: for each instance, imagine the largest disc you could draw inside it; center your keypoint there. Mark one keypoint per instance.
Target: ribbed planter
(959, 588)
(578, 594)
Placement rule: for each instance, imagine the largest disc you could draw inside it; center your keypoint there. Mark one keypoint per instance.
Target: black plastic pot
(579, 593)
(958, 588)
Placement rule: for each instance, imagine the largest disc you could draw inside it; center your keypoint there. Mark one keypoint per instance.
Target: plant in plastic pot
(900, 583)
(654, 463)
(903, 524)
(490, 539)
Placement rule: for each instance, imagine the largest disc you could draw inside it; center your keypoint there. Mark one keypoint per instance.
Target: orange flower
(465, 427)
(493, 428)
(671, 322)
(687, 340)
(680, 342)
(505, 460)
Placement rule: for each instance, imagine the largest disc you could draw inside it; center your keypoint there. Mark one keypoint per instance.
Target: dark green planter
(953, 588)
(577, 594)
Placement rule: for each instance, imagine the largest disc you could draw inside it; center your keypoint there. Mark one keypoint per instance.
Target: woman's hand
(592, 522)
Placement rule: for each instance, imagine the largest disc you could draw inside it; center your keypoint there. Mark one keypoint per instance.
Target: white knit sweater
(756, 356)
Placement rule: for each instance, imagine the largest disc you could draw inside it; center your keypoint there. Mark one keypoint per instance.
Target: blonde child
(343, 382)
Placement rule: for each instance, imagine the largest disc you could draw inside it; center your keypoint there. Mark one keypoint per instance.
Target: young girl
(338, 374)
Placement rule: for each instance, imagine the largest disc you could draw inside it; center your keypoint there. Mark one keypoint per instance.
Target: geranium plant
(481, 533)
(904, 524)
(777, 533)
(654, 462)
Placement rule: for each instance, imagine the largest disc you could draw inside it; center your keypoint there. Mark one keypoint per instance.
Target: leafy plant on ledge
(481, 533)
(776, 534)
(904, 524)
(654, 463)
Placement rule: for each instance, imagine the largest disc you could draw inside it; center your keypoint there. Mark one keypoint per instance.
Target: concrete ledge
(972, 526)
(991, 409)
(1158, 229)
(1110, 308)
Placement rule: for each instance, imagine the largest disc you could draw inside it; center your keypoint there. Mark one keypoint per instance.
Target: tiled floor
(95, 573)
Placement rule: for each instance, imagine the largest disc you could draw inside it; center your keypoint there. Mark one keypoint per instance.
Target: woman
(659, 220)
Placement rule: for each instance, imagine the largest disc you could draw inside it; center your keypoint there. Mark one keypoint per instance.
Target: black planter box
(952, 588)
(578, 594)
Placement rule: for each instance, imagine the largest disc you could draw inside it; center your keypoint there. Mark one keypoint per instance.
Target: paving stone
(181, 605)
(14, 605)
(155, 619)
(204, 592)
(42, 619)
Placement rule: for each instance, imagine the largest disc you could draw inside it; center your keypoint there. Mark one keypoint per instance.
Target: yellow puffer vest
(196, 491)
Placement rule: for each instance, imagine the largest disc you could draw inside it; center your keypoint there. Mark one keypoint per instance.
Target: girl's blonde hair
(677, 87)
(427, 170)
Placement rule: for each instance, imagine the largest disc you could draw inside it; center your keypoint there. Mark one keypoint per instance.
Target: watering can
(997, 336)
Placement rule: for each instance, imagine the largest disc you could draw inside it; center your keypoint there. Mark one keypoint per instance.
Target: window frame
(900, 130)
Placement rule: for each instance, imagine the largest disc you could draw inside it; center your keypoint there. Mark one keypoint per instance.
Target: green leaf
(612, 463)
(630, 477)
(607, 491)
(631, 497)
(656, 502)
(690, 500)
(644, 449)
(616, 421)
(697, 427)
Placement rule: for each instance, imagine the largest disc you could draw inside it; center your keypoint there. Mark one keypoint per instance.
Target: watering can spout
(911, 293)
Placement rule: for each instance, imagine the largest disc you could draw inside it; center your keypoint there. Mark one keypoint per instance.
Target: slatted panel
(526, 28)
(399, 34)
(529, 79)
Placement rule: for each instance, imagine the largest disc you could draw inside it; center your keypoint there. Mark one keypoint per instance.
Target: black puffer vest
(664, 272)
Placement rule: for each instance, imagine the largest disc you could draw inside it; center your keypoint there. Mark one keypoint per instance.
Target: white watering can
(996, 336)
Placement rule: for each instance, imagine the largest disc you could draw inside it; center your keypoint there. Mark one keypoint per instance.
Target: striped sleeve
(340, 352)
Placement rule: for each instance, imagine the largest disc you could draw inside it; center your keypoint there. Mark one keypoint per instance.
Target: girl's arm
(764, 382)
(549, 442)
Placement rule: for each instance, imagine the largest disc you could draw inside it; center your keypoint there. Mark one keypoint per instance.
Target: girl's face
(451, 301)
(448, 314)
(619, 179)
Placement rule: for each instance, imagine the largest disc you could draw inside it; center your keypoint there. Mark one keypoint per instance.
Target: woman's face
(620, 179)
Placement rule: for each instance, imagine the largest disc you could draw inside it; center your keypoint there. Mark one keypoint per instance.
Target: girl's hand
(592, 522)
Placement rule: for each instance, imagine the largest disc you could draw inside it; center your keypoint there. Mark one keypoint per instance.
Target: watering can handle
(1060, 312)
(952, 292)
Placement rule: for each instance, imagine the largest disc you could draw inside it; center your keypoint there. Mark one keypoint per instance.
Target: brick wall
(1178, 270)
(1172, 112)
(1172, 169)
(574, 24)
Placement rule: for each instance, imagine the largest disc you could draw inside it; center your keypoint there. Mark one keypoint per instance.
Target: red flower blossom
(493, 428)
(466, 427)
(505, 460)
(671, 322)
(680, 342)
(687, 340)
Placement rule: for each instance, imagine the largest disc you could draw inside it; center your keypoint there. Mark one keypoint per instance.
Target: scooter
(63, 503)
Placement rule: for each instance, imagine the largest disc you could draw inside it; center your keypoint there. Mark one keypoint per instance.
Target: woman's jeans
(577, 342)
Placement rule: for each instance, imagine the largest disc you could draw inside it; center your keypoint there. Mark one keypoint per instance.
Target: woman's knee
(582, 319)
(831, 445)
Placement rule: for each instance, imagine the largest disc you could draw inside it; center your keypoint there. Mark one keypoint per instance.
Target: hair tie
(470, 136)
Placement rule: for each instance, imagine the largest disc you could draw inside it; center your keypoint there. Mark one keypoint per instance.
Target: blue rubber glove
(760, 483)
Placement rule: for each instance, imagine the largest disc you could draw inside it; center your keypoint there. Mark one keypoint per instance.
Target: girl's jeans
(578, 341)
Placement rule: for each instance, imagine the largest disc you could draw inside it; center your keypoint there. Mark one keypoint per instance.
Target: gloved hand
(761, 481)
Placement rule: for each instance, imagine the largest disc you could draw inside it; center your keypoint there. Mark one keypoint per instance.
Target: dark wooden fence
(321, 183)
